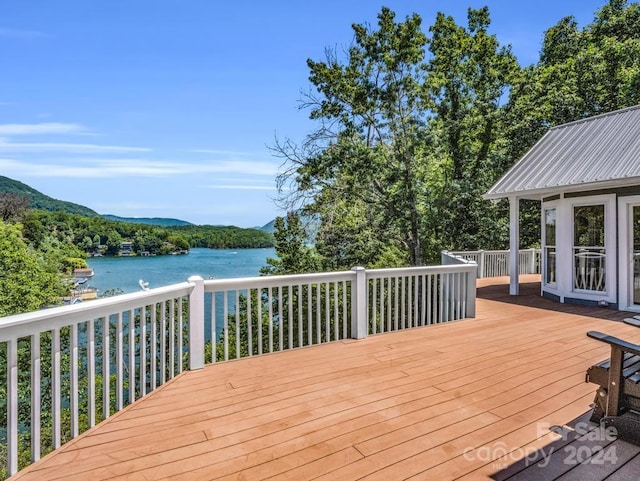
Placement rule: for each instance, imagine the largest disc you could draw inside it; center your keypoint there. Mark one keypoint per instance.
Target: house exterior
(586, 174)
(126, 248)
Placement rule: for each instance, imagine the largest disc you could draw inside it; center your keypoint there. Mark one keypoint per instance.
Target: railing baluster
(56, 395)
(395, 305)
(270, 294)
(172, 338)
(327, 312)
(153, 347)
(106, 374)
(74, 380)
(180, 333)
(344, 308)
(249, 323)
(259, 320)
(214, 334)
(403, 300)
(336, 307)
(442, 301)
(416, 299)
(300, 317)
(163, 342)
(381, 304)
(318, 315)
(309, 316)
(389, 304)
(238, 323)
(280, 320)
(36, 396)
(132, 355)
(12, 405)
(374, 308)
(429, 312)
(290, 315)
(91, 372)
(225, 320)
(143, 351)
(422, 308)
(119, 361)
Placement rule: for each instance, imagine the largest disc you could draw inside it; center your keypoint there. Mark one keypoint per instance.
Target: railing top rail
(20, 325)
(499, 251)
(215, 285)
(403, 271)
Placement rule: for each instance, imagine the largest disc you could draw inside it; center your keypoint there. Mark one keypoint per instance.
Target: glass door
(635, 254)
(589, 253)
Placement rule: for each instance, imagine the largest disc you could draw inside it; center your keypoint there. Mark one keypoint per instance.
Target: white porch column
(514, 244)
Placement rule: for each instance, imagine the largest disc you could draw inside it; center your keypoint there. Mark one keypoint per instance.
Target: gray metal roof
(594, 153)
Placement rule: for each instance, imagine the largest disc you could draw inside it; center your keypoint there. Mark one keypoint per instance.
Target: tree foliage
(293, 255)
(412, 129)
(29, 279)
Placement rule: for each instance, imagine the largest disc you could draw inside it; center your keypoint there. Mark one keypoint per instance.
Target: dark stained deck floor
(466, 400)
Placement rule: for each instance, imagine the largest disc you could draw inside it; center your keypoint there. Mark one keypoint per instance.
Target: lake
(125, 272)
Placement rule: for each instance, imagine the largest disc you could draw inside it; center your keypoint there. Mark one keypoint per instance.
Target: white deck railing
(496, 263)
(67, 368)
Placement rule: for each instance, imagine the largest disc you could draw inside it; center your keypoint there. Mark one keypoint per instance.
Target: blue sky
(158, 108)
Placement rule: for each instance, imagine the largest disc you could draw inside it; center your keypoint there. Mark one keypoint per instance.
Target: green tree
(469, 74)
(580, 73)
(293, 256)
(370, 144)
(27, 282)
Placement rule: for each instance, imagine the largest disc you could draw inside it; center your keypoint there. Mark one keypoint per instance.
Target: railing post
(196, 323)
(533, 261)
(471, 293)
(481, 265)
(359, 303)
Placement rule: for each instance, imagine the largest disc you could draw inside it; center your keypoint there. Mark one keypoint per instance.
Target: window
(550, 246)
(589, 254)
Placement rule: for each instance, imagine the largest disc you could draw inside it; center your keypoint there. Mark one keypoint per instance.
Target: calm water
(158, 271)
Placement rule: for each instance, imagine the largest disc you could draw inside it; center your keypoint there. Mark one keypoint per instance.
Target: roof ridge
(596, 117)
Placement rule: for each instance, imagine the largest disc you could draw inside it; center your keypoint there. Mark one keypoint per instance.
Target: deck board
(425, 403)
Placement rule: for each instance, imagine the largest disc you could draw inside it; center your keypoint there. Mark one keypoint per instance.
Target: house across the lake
(586, 174)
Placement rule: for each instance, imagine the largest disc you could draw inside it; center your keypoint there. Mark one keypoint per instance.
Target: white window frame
(625, 219)
(554, 204)
(609, 202)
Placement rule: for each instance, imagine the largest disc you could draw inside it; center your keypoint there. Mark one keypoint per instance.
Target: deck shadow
(530, 296)
(583, 451)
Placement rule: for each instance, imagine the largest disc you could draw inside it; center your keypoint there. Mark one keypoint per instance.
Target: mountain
(269, 227)
(311, 224)
(160, 221)
(38, 200)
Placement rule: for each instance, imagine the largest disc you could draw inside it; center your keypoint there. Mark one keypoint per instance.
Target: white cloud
(241, 187)
(132, 206)
(42, 128)
(220, 152)
(71, 148)
(93, 168)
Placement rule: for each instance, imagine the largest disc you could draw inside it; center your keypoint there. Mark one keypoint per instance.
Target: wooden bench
(617, 401)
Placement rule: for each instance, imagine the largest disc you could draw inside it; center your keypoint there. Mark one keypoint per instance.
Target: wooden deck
(466, 400)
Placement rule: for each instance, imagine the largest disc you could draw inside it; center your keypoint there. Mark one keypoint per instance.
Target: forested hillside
(224, 237)
(414, 123)
(38, 200)
(93, 234)
(96, 234)
(161, 221)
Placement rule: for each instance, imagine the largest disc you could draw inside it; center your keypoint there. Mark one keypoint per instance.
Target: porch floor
(465, 400)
